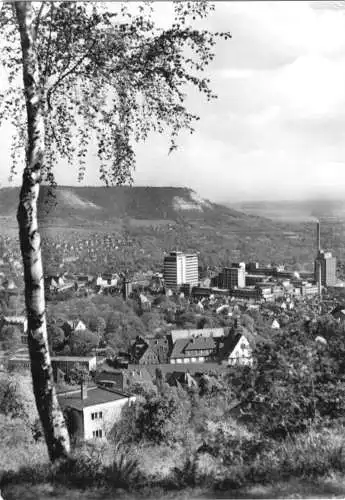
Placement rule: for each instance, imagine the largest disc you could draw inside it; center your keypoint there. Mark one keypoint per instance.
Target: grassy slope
(295, 488)
(297, 484)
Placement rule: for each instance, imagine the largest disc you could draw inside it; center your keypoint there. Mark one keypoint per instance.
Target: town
(171, 322)
(172, 258)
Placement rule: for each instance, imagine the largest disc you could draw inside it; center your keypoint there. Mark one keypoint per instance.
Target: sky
(277, 129)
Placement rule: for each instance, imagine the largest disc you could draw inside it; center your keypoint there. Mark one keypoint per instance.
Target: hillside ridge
(106, 203)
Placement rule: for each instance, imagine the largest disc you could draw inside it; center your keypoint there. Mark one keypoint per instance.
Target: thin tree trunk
(53, 423)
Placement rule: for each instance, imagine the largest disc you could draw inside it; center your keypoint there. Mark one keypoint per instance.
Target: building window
(96, 415)
(97, 434)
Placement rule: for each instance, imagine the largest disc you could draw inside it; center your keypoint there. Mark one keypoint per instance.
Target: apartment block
(180, 269)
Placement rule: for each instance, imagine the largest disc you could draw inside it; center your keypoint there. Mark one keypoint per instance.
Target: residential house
(150, 350)
(160, 346)
(238, 350)
(106, 280)
(201, 332)
(149, 357)
(193, 350)
(83, 281)
(92, 412)
(181, 379)
(121, 379)
(138, 347)
(275, 325)
(338, 313)
(199, 307)
(73, 326)
(10, 285)
(144, 303)
(53, 283)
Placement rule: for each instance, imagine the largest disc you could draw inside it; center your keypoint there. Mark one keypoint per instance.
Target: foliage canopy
(110, 79)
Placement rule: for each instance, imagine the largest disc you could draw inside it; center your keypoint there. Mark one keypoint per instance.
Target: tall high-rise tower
(234, 276)
(181, 269)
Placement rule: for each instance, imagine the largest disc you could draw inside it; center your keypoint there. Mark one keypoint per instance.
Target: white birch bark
(53, 423)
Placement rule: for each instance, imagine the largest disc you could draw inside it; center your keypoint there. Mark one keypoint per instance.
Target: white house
(74, 325)
(275, 325)
(91, 412)
(239, 351)
(106, 280)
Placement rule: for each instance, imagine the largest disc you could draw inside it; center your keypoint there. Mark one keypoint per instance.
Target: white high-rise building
(180, 269)
(234, 276)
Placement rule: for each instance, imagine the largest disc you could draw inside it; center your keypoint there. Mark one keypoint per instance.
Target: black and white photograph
(172, 249)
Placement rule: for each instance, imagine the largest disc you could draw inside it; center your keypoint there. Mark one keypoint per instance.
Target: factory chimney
(318, 262)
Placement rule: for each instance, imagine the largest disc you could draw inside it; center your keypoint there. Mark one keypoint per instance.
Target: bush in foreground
(310, 456)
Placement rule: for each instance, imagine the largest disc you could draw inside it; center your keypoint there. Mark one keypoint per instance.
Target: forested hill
(101, 204)
(158, 219)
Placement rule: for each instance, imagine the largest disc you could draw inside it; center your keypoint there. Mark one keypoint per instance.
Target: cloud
(278, 127)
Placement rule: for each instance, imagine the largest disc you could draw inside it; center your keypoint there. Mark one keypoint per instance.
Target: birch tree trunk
(53, 423)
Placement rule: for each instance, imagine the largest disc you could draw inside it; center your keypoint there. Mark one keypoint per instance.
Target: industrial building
(234, 276)
(325, 265)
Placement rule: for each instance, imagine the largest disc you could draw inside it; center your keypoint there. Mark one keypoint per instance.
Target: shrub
(157, 419)
(32, 474)
(231, 443)
(10, 337)
(123, 472)
(17, 398)
(83, 469)
(307, 455)
(187, 475)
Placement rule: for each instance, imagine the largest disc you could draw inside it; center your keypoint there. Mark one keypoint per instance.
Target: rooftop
(179, 347)
(79, 359)
(95, 396)
(205, 332)
(15, 319)
(200, 343)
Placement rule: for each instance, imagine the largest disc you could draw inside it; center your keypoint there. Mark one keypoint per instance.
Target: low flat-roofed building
(308, 289)
(19, 322)
(68, 363)
(247, 293)
(20, 361)
(253, 279)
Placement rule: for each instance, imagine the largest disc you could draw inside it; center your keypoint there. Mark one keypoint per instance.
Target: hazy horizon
(323, 197)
